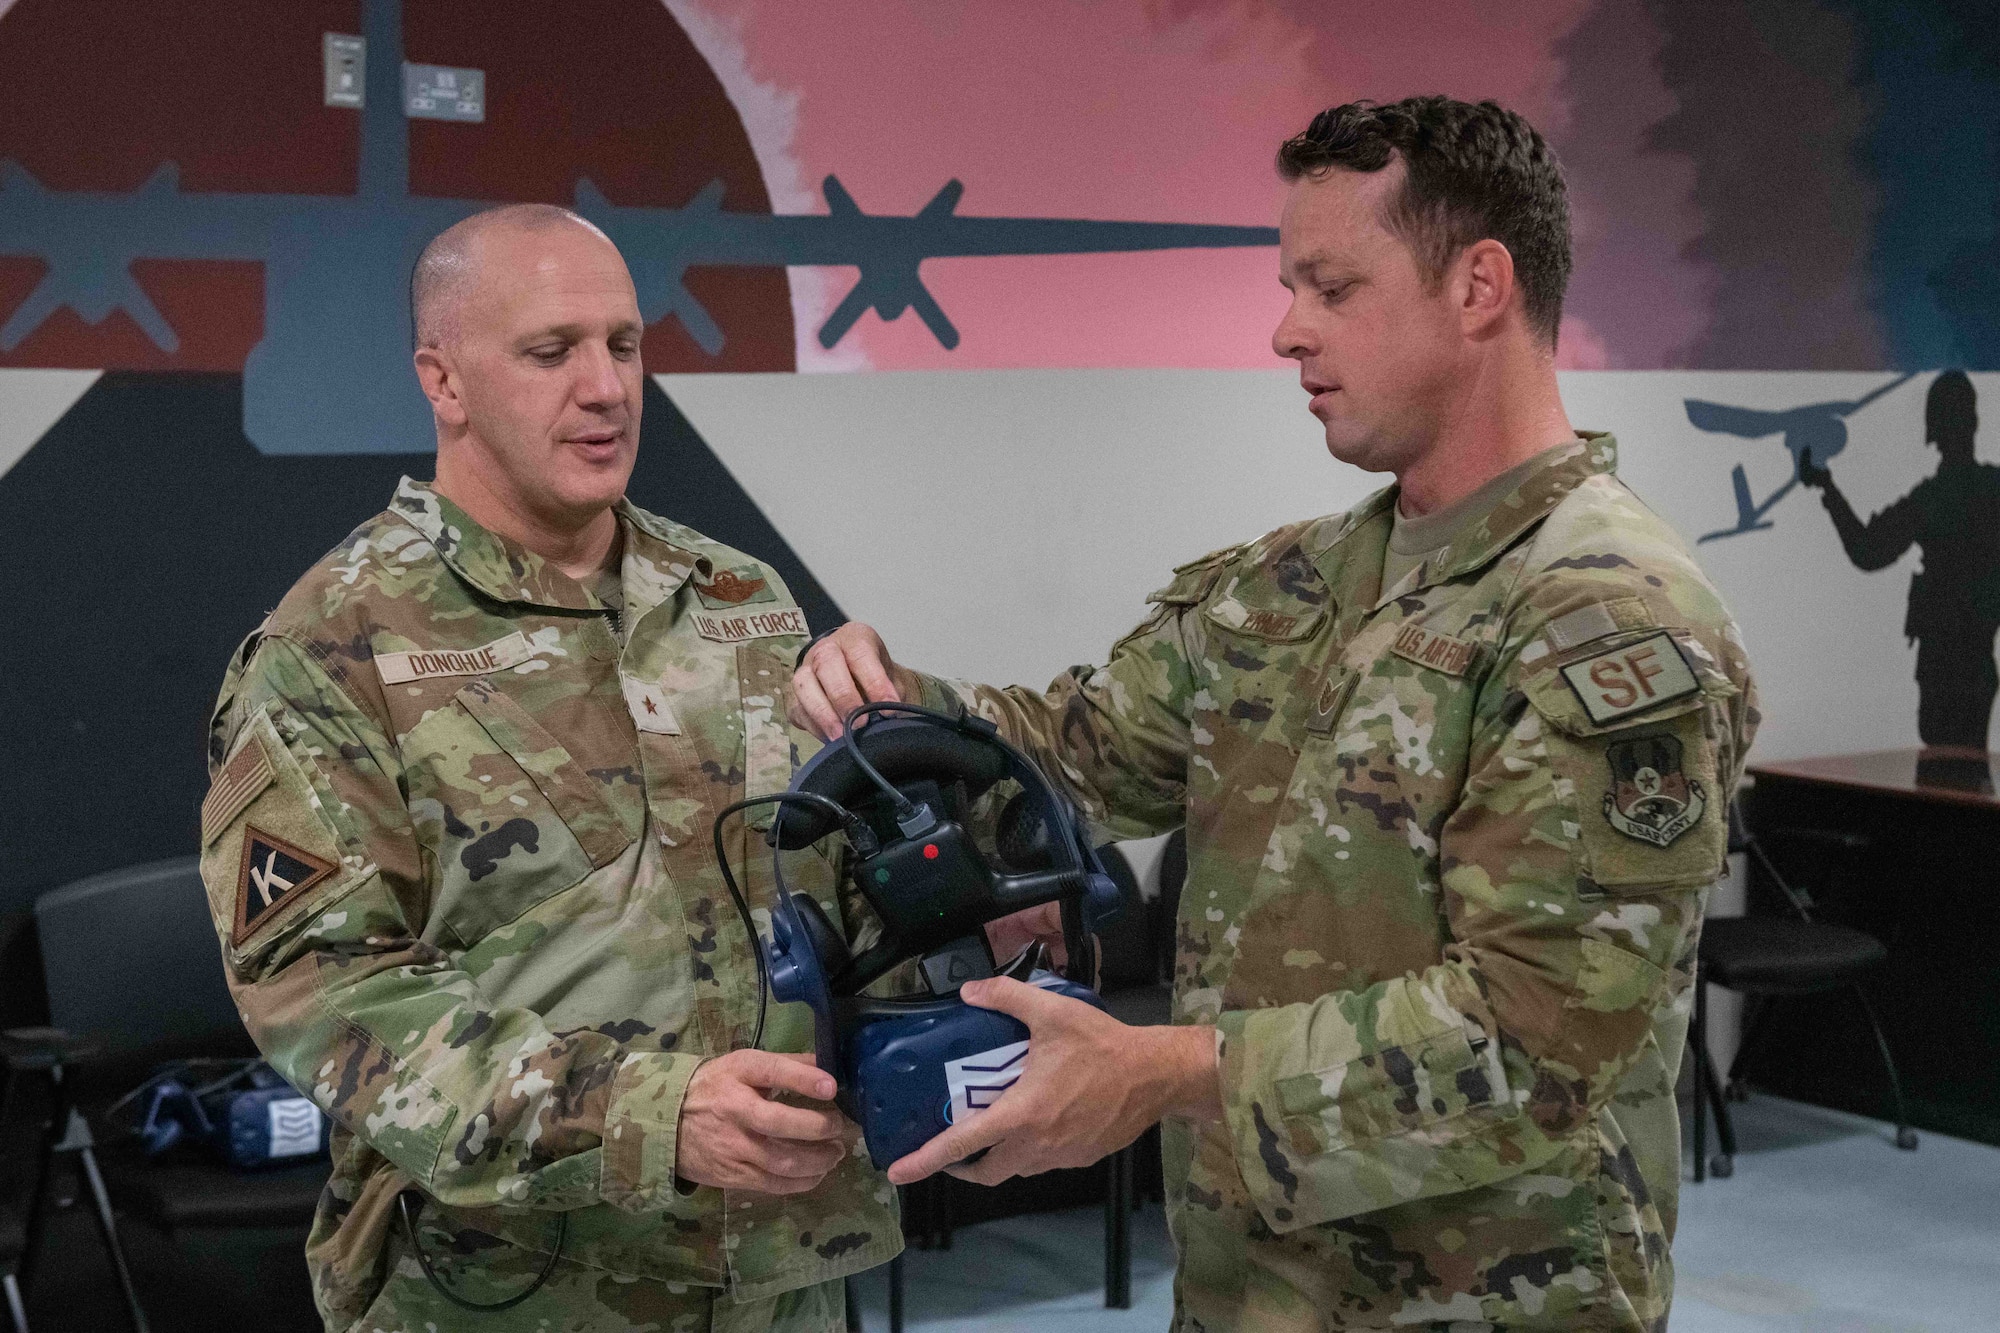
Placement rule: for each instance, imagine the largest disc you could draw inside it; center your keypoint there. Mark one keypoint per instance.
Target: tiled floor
(1824, 1228)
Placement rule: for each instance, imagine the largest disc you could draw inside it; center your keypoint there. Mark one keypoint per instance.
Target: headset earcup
(825, 940)
(1022, 835)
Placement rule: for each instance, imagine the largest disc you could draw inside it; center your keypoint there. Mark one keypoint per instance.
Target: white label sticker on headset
(295, 1124)
(977, 1081)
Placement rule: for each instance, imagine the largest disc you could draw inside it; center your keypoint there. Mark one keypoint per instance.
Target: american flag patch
(246, 774)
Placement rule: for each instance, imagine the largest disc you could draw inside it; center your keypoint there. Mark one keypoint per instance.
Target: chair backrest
(131, 959)
(1125, 956)
(24, 1002)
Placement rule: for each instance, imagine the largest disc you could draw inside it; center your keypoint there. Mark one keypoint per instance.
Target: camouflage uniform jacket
(457, 847)
(1448, 849)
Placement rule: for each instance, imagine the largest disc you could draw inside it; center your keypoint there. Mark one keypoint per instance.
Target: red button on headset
(930, 851)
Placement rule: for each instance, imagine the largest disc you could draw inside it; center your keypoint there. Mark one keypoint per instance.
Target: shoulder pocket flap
(577, 798)
(278, 855)
(1613, 980)
(1193, 580)
(1625, 680)
(1263, 611)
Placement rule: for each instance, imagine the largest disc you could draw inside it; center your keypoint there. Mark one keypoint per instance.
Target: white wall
(1003, 524)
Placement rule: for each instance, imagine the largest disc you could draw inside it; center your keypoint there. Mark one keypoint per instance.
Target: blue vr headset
(240, 1109)
(900, 791)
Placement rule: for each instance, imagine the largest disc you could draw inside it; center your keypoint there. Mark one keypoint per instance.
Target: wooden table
(1927, 884)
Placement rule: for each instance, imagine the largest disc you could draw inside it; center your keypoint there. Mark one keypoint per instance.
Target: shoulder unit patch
(273, 874)
(1652, 799)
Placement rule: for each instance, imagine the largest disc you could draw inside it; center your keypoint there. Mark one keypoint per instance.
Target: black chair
(133, 979)
(1768, 958)
(1135, 990)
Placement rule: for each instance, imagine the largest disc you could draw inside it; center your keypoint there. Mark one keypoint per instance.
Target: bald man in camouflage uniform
(1453, 812)
(458, 852)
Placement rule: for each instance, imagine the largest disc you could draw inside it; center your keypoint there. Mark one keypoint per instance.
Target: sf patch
(273, 874)
(1652, 799)
(1631, 679)
(731, 588)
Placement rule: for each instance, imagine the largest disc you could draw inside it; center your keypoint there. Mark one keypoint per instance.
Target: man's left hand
(1091, 1086)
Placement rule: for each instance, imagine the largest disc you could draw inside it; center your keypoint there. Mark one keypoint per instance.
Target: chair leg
(852, 1306)
(40, 1194)
(896, 1294)
(1753, 1032)
(1906, 1138)
(16, 1311)
(107, 1226)
(1118, 1230)
(1724, 1164)
(1698, 1048)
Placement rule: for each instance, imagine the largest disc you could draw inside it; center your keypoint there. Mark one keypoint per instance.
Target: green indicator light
(882, 875)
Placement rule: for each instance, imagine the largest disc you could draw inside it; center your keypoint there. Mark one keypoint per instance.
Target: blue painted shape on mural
(1811, 434)
(332, 374)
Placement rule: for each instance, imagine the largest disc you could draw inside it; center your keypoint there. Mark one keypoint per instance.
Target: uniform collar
(1562, 469)
(506, 571)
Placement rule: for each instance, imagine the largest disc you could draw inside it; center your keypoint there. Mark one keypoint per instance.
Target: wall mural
(213, 219)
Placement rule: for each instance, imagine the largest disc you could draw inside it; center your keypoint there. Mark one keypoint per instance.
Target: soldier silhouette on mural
(1954, 516)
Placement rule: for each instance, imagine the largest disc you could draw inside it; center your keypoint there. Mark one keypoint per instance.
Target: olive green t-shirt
(1412, 540)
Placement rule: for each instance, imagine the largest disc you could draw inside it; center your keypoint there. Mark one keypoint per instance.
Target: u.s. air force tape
(738, 627)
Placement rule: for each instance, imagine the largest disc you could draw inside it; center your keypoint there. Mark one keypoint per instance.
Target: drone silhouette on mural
(1952, 517)
(336, 327)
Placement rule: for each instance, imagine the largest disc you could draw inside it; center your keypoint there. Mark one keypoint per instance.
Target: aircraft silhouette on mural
(1814, 432)
(331, 373)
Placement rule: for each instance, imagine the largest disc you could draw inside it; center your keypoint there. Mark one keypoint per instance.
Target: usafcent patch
(1652, 799)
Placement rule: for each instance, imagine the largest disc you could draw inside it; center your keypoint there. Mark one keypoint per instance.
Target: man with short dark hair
(1454, 768)
(457, 847)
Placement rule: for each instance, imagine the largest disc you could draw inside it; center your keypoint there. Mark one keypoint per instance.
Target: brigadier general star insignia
(273, 873)
(1652, 799)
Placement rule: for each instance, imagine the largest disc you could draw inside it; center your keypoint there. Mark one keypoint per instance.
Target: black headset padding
(825, 940)
(1023, 837)
(900, 750)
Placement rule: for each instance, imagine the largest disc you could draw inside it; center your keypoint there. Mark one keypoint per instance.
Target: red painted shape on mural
(614, 92)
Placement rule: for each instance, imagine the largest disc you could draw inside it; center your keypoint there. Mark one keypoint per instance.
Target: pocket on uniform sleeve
(1649, 811)
(273, 851)
(1398, 1091)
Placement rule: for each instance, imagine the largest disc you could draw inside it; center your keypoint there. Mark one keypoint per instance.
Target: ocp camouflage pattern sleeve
(307, 834)
(1117, 737)
(1448, 844)
(1564, 934)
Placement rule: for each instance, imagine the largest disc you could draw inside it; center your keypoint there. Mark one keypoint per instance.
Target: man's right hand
(846, 669)
(734, 1136)
(1813, 476)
